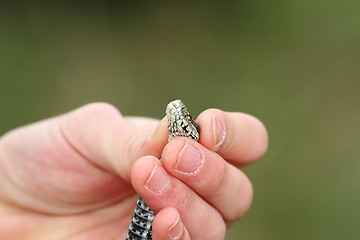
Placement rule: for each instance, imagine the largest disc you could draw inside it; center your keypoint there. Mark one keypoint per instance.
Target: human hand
(69, 177)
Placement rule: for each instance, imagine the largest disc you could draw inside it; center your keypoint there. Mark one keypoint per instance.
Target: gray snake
(180, 123)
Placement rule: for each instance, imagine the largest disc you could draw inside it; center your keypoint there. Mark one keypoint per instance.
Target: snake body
(180, 123)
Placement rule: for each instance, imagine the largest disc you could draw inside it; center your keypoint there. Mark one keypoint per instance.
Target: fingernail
(158, 180)
(189, 160)
(158, 133)
(154, 143)
(219, 131)
(176, 230)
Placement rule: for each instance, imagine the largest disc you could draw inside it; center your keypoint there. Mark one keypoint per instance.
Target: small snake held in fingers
(180, 123)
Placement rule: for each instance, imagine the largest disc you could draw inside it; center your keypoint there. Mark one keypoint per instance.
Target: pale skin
(78, 175)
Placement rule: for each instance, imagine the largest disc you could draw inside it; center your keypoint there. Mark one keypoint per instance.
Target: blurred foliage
(294, 64)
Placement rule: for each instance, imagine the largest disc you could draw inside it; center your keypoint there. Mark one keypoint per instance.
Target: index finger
(238, 137)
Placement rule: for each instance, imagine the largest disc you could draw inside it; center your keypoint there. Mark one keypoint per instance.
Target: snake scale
(180, 123)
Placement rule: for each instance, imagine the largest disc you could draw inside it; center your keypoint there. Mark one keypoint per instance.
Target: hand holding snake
(74, 176)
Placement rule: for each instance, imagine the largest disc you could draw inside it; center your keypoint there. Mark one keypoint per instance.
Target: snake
(180, 124)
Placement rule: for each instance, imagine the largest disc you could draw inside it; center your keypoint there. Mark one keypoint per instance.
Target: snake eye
(188, 117)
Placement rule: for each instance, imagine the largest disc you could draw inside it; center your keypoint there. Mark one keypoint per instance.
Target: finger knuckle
(244, 202)
(215, 185)
(101, 109)
(218, 231)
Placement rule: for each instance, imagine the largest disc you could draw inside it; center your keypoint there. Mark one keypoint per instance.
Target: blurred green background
(294, 64)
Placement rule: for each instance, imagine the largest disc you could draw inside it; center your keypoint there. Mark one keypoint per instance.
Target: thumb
(111, 141)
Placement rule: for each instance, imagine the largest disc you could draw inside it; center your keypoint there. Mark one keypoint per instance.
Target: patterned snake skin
(180, 123)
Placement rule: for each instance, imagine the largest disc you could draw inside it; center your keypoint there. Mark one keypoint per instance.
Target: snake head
(180, 122)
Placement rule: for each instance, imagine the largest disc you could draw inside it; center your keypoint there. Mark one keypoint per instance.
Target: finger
(142, 123)
(39, 171)
(219, 183)
(238, 137)
(160, 190)
(100, 133)
(167, 225)
(72, 163)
